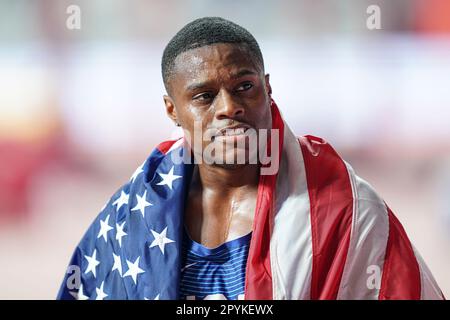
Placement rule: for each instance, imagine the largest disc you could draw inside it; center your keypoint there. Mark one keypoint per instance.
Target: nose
(226, 107)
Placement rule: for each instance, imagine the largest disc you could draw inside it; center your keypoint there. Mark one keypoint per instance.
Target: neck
(225, 180)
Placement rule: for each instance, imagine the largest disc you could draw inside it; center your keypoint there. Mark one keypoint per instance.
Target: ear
(268, 86)
(170, 109)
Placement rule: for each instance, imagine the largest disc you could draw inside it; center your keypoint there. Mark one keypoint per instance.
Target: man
(289, 220)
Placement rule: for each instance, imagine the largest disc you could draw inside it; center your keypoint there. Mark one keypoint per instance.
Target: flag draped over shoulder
(319, 232)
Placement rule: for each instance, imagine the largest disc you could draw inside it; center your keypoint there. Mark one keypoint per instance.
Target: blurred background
(80, 109)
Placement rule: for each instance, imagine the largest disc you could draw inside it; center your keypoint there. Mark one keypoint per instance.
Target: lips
(236, 130)
(231, 134)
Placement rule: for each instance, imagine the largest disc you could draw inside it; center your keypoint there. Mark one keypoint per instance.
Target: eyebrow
(244, 72)
(200, 85)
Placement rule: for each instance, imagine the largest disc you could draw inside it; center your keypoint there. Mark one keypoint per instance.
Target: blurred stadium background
(81, 109)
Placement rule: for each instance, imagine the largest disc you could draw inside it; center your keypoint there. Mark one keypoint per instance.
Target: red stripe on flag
(258, 279)
(331, 201)
(401, 273)
(165, 146)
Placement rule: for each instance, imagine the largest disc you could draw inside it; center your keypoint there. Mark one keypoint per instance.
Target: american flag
(319, 232)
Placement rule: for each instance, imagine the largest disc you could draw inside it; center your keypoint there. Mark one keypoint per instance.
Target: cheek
(188, 115)
(195, 113)
(264, 115)
(195, 121)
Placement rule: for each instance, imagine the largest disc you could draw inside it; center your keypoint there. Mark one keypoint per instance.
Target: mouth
(231, 133)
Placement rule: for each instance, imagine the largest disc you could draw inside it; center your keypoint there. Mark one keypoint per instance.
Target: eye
(203, 96)
(245, 86)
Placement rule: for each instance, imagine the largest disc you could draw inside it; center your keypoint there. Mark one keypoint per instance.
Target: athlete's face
(219, 86)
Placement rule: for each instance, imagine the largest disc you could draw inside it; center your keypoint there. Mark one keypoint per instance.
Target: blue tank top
(214, 274)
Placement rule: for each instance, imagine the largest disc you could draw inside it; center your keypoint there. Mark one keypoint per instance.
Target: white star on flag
(80, 294)
(101, 295)
(168, 179)
(120, 233)
(92, 263)
(156, 298)
(104, 228)
(160, 239)
(142, 203)
(117, 264)
(137, 172)
(133, 269)
(123, 199)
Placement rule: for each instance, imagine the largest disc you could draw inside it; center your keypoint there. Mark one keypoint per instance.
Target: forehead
(212, 62)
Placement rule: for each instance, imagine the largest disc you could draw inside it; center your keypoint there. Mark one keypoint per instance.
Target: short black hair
(202, 32)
